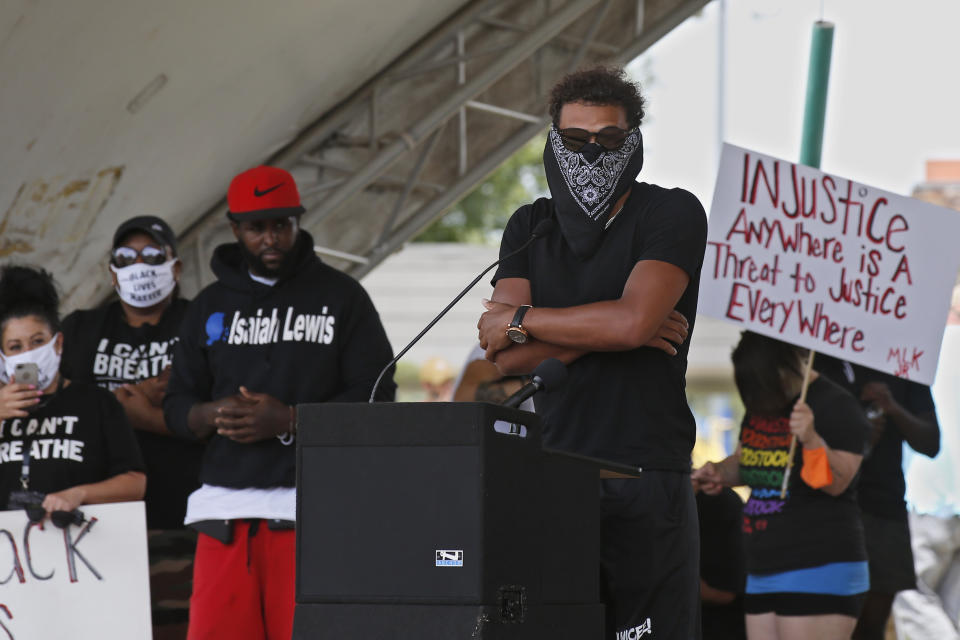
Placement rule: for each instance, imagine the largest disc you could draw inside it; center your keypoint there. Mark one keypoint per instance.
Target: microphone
(549, 375)
(544, 228)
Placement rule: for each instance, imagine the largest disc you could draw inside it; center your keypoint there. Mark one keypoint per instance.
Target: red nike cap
(263, 193)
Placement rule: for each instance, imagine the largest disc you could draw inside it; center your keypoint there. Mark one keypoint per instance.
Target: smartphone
(26, 373)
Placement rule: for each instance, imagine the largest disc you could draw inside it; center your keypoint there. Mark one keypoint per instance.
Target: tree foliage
(483, 213)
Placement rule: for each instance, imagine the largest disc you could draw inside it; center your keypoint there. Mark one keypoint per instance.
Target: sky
(893, 99)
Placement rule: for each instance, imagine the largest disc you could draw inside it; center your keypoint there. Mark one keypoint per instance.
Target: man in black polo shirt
(604, 289)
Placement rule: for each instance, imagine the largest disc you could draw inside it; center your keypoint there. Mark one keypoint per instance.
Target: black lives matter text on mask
(116, 363)
(46, 439)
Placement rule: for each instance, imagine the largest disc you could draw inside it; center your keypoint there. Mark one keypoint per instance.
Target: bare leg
(762, 626)
(832, 626)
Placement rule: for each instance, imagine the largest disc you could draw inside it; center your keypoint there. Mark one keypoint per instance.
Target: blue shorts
(839, 587)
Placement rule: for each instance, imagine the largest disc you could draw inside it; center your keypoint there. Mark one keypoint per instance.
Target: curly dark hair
(27, 291)
(599, 86)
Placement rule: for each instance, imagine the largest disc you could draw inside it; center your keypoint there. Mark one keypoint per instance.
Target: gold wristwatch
(515, 330)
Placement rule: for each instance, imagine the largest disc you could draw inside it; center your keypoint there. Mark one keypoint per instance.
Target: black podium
(441, 521)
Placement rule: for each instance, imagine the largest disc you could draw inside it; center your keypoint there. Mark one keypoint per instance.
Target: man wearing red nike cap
(277, 329)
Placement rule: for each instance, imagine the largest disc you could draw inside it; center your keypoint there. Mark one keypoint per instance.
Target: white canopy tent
(386, 112)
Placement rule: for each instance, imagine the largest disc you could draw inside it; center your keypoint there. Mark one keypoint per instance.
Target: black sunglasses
(60, 519)
(126, 256)
(610, 138)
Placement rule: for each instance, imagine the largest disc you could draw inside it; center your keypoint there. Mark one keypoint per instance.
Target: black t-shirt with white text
(99, 346)
(78, 435)
(809, 527)
(882, 483)
(625, 406)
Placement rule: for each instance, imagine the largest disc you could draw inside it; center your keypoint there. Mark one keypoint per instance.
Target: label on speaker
(510, 428)
(449, 557)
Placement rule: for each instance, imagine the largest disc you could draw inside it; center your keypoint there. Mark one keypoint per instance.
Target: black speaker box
(446, 622)
(441, 520)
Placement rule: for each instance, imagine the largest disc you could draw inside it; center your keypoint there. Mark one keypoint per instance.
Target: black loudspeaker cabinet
(441, 521)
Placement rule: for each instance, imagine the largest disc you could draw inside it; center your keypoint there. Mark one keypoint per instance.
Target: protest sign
(88, 581)
(829, 264)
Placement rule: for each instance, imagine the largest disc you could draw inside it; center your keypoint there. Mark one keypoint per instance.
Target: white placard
(85, 582)
(829, 264)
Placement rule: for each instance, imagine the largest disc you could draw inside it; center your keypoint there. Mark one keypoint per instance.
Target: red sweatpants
(244, 590)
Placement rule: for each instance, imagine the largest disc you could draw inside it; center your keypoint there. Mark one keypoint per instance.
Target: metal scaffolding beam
(382, 165)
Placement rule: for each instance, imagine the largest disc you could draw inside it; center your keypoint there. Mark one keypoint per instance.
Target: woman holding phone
(61, 444)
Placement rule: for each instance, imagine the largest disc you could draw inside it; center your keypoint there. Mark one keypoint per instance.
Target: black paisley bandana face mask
(585, 184)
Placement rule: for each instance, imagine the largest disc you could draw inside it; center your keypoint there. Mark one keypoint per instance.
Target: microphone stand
(541, 230)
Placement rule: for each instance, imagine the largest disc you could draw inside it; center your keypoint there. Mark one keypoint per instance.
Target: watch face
(517, 335)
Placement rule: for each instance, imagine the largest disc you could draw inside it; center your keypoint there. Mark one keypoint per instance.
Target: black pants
(650, 557)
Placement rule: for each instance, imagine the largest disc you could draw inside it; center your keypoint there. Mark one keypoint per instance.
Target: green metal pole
(815, 107)
(814, 111)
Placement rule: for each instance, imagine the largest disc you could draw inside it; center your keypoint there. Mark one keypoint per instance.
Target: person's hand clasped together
(249, 417)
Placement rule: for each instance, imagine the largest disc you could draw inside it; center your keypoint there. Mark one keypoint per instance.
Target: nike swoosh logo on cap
(259, 193)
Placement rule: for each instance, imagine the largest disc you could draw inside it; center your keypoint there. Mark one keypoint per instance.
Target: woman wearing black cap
(126, 346)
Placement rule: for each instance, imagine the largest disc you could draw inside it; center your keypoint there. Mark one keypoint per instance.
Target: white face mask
(144, 285)
(46, 358)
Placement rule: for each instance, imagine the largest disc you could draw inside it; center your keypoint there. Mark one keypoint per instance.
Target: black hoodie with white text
(314, 336)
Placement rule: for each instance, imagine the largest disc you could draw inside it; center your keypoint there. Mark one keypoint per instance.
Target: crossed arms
(643, 315)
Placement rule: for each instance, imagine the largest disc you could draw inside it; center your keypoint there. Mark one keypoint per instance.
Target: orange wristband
(816, 468)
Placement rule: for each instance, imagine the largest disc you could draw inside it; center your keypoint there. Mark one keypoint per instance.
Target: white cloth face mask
(144, 285)
(46, 358)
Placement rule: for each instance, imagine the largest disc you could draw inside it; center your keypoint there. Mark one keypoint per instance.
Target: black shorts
(803, 604)
(650, 556)
(889, 554)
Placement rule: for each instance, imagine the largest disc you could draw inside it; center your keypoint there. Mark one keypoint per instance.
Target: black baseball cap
(153, 226)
